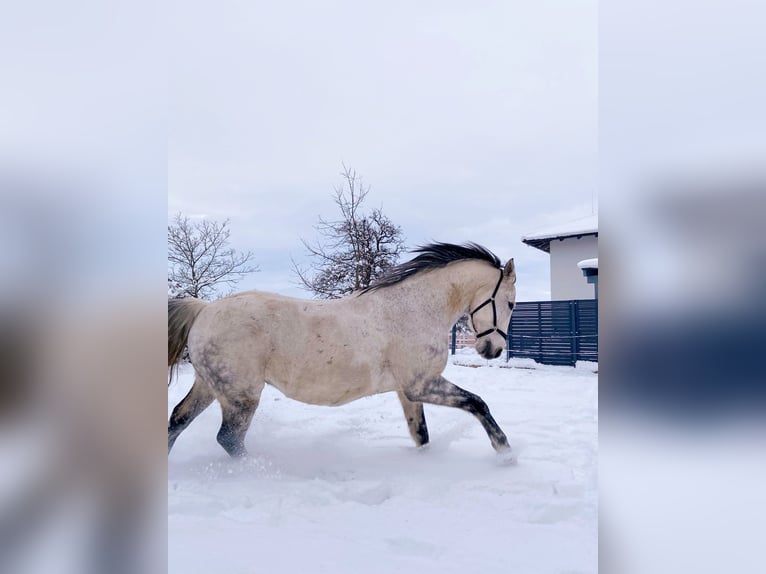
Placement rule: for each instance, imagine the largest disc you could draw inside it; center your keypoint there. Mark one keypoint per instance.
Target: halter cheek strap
(491, 301)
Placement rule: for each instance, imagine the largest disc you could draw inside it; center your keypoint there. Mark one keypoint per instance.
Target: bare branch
(354, 250)
(199, 258)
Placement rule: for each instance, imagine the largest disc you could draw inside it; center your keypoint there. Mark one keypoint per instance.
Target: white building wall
(567, 281)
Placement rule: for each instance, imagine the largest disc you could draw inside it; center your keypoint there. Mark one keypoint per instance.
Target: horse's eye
(510, 305)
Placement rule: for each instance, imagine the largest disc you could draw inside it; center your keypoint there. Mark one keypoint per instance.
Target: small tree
(354, 250)
(200, 259)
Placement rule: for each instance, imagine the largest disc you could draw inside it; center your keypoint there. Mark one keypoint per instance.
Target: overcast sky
(470, 121)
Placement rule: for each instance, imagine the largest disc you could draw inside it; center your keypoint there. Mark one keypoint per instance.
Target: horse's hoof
(507, 457)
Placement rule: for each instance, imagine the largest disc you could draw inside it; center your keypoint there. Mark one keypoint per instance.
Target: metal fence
(555, 332)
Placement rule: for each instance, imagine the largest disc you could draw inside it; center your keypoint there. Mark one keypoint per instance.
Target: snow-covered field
(343, 489)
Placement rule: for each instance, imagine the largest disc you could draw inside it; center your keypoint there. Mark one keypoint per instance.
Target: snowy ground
(343, 489)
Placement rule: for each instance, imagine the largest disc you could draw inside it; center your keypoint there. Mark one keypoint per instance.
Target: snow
(580, 226)
(588, 263)
(344, 489)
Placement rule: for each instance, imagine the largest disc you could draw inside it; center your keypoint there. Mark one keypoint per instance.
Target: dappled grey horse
(388, 337)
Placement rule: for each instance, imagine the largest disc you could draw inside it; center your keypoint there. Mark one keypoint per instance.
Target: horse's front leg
(440, 391)
(416, 419)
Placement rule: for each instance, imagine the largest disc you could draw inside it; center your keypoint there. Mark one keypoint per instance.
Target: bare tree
(352, 251)
(200, 259)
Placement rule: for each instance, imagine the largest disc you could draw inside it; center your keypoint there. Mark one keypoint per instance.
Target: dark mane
(434, 256)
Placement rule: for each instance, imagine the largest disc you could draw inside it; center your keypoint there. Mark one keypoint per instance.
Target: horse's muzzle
(489, 353)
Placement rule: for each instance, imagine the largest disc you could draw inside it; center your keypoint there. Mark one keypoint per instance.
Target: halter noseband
(494, 311)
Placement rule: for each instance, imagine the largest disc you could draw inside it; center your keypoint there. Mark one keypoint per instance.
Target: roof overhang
(588, 263)
(544, 243)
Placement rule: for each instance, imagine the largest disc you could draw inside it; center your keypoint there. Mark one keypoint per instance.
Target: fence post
(540, 332)
(454, 337)
(573, 331)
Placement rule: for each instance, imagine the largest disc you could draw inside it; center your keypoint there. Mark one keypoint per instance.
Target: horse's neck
(449, 292)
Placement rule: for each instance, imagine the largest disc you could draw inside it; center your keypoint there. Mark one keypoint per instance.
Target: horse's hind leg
(197, 400)
(416, 419)
(440, 391)
(238, 410)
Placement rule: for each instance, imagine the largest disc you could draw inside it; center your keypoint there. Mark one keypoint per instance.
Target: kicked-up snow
(344, 489)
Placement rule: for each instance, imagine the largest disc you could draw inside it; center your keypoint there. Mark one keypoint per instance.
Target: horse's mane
(433, 256)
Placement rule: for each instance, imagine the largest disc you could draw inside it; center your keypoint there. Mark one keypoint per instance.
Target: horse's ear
(510, 270)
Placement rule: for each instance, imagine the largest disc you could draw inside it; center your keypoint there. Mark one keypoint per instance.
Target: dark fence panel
(554, 332)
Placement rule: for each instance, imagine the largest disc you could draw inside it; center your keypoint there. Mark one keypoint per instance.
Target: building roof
(541, 239)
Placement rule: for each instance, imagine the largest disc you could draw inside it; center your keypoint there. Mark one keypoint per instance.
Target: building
(569, 245)
(589, 269)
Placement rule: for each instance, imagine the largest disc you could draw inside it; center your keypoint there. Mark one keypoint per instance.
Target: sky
(469, 122)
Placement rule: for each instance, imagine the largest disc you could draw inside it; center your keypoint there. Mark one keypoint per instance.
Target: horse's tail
(181, 316)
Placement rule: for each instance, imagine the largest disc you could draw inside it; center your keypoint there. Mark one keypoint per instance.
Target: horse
(388, 337)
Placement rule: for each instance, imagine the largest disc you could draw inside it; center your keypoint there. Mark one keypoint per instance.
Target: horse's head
(491, 312)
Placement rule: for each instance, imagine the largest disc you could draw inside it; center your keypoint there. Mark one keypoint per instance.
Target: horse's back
(319, 352)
